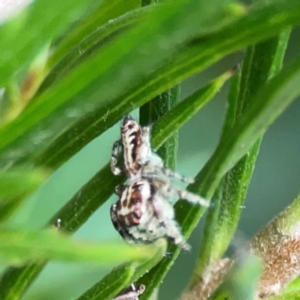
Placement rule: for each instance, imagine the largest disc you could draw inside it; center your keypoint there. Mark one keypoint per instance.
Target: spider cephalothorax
(136, 148)
(138, 158)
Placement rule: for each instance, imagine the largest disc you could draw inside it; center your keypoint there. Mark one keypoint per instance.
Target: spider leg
(155, 167)
(168, 190)
(174, 233)
(164, 212)
(144, 153)
(172, 174)
(146, 133)
(114, 158)
(190, 197)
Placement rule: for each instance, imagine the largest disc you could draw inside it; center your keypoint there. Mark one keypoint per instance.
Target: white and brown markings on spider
(143, 212)
(131, 293)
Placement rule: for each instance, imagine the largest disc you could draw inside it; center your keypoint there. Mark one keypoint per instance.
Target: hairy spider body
(143, 212)
(135, 146)
(138, 158)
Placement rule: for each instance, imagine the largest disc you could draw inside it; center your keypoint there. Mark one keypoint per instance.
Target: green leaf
(92, 195)
(95, 37)
(268, 104)
(290, 292)
(57, 108)
(59, 151)
(271, 100)
(153, 111)
(111, 284)
(206, 262)
(260, 63)
(89, 37)
(87, 200)
(9, 205)
(232, 98)
(190, 60)
(287, 296)
(185, 110)
(123, 276)
(287, 220)
(20, 181)
(104, 12)
(18, 246)
(36, 29)
(72, 216)
(85, 80)
(15, 185)
(14, 283)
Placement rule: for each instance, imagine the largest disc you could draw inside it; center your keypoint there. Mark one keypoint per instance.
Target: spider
(138, 158)
(143, 213)
(131, 293)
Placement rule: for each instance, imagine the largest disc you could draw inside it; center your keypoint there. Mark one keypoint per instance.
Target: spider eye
(119, 189)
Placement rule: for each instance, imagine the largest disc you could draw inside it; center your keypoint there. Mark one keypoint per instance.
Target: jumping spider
(143, 212)
(131, 293)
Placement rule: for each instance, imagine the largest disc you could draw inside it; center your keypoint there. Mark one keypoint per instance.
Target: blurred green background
(275, 183)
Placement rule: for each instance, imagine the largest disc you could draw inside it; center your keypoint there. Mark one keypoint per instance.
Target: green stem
(260, 63)
(153, 111)
(265, 108)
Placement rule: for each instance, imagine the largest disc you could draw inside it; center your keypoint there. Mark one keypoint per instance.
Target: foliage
(82, 66)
